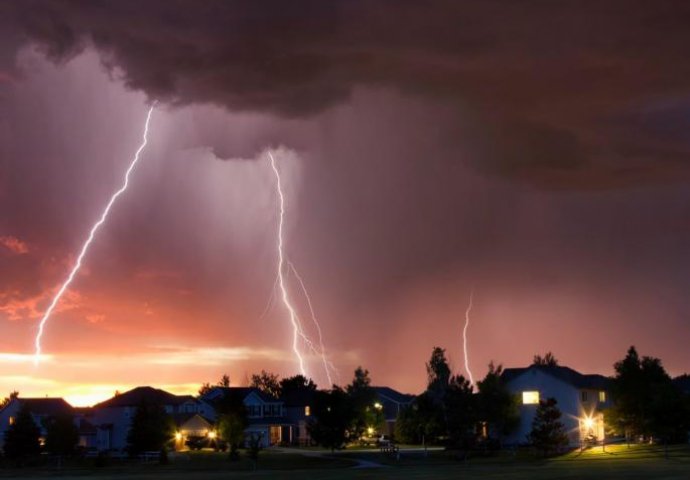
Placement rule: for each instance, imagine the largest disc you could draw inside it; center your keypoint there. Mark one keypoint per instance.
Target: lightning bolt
(294, 320)
(89, 240)
(464, 336)
(327, 366)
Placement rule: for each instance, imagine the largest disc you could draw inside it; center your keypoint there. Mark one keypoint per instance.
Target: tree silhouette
(548, 360)
(267, 383)
(21, 438)
(548, 433)
(62, 435)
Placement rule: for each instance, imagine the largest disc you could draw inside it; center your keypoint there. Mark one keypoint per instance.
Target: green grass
(639, 462)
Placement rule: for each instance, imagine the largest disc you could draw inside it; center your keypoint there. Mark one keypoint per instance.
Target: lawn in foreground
(636, 463)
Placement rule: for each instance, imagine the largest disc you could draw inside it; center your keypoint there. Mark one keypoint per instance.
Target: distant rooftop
(565, 374)
(149, 395)
(47, 406)
(394, 395)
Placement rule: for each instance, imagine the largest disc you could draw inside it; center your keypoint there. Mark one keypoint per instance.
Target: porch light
(212, 434)
(178, 436)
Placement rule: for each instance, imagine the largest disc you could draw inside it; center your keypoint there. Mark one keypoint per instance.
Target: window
(530, 398)
(307, 411)
(602, 396)
(12, 420)
(584, 396)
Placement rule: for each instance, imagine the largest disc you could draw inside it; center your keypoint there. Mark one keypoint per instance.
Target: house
(41, 409)
(392, 402)
(581, 400)
(298, 406)
(112, 418)
(266, 414)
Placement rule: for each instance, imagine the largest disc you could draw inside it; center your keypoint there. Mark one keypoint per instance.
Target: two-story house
(391, 402)
(112, 418)
(581, 400)
(266, 414)
(41, 409)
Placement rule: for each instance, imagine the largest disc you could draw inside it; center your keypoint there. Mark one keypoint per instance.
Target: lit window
(602, 396)
(307, 411)
(11, 420)
(530, 398)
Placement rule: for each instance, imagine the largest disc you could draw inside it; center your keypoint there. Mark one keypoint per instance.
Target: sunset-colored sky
(540, 157)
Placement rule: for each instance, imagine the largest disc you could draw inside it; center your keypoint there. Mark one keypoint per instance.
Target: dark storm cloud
(539, 81)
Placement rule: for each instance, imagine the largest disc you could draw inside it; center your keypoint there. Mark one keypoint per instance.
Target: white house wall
(548, 386)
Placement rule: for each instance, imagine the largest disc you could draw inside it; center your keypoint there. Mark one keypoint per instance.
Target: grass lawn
(619, 462)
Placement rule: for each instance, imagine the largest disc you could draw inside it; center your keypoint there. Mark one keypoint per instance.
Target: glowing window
(11, 420)
(602, 396)
(307, 411)
(530, 398)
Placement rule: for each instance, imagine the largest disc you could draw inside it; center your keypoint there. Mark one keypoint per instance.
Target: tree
(332, 415)
(204, 389)
(21, 438)
(232, 421)
(461, 419)
(207, 387)
(646, 400)
(548, 433)
(5, 401)
(267, 383)
(438, 374)
(421, 422)
(224, 381)
(497, 406)
(296, 383)
(62, 435)
(548, 360)
(363, 399)
(151, 429)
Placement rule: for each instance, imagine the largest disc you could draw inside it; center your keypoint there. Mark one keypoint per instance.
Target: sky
(537, 153)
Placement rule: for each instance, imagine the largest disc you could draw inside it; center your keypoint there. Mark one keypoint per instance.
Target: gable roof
(149, 395)
(565, 374)
(393, 395)
(49, 407)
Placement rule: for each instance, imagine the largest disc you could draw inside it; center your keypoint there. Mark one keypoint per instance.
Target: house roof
(49, 407)
(240, 392)
(150, 395)
(387, 393)
(181, 418)
(565, 374)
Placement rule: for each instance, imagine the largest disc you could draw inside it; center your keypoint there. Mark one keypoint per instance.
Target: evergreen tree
(21, 438)
(62, 435)
(497, 406)
(151, 429)
(363, 399)
(548, 433)
(460, 405)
